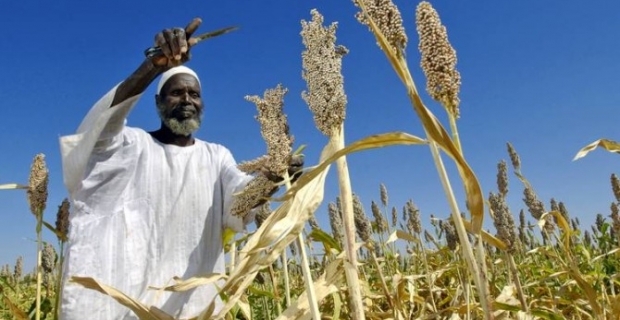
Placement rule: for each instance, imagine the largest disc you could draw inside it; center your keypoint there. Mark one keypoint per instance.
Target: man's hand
(175, 44)
(295, 166)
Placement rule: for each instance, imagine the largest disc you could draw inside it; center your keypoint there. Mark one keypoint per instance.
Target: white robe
(143, 212)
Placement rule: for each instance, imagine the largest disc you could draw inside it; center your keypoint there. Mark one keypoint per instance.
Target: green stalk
(274, 281)
(61, 245)
(346, 197)
(39, 258)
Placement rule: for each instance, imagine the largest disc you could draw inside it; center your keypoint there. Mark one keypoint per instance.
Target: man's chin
(184, 127)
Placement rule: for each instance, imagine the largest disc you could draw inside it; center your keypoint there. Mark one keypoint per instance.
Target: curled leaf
(609, 145)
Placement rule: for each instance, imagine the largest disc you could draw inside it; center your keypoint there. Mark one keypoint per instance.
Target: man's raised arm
(175, 44)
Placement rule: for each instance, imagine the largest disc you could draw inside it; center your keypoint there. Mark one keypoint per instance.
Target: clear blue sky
(543, 75)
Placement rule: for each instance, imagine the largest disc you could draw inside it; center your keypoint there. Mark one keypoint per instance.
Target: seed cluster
(615, 186)
(384, 194)
(335, 221)
(48, 258)
(394, 217)
(537, 208)
(256, 190)
(253, 166)
(502, 178)
(37, 185)
(514, 157)
(452, 238)
(62, 218)
(615, 219)
(18, 271)
(274, 128)
(438, 61)
(414, 225)
(362, 224)
(387, 17)
(322, 71)
(503, 221)
(380, 222)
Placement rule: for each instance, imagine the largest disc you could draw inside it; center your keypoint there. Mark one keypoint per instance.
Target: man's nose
(185, 96)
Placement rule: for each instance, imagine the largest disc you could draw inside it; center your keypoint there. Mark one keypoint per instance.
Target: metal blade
(213, 34)
(154, 51)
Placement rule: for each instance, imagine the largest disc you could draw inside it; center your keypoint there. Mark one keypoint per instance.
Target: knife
(155, 51)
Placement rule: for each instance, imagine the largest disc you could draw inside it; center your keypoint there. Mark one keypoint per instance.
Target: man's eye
(175, 92)
(195, 95)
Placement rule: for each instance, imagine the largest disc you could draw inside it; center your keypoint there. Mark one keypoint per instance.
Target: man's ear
(157, 99)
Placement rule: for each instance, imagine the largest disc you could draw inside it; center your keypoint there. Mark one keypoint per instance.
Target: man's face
(179, 104)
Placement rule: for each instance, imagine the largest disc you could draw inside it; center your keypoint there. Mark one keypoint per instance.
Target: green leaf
(58, 234)
(262, 293)
(17, 313)
(326, 239)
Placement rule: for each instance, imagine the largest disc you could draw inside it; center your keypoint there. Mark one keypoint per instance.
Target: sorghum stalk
(275, 132)
(400, 66)
(615, 220)
(287, 282)
(274, 281)
(305, 265)
(513, 269)
(429, 277)
(479, 278)
(348, 220)
(438, 63)
(384, 286)
(504, 223)
(37, 198)
(439, 59)
(322, 62)
(62, 226)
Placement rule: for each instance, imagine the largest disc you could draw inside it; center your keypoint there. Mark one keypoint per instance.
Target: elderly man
(147, 206)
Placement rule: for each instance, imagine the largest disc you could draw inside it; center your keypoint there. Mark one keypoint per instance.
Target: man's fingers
(297, 161)
(182, 39)
(192, 27)
(177, 43)
(166, 46)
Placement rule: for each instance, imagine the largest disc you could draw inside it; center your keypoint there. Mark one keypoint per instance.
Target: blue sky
(541, 75)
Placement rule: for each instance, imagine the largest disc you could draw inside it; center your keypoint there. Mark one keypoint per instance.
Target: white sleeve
(98, 129)
(233, 181)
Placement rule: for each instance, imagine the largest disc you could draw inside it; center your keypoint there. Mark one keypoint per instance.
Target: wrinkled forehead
(181, 80)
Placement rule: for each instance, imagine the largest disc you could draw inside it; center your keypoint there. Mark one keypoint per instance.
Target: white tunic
(143, 213)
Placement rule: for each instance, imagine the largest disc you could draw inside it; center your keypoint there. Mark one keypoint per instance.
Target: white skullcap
(173, 71)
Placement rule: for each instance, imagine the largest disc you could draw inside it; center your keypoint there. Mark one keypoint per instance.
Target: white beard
(183, 128)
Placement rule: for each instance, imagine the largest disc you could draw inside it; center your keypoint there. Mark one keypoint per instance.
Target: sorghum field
(377, 261)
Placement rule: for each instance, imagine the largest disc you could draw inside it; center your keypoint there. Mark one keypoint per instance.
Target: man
(147, 206)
